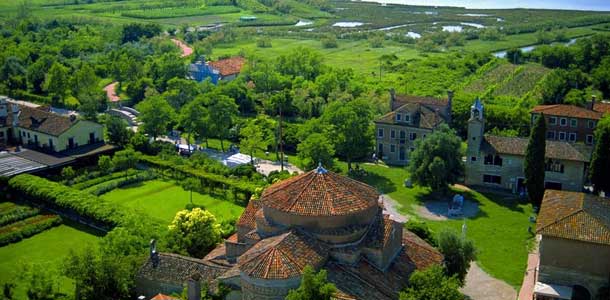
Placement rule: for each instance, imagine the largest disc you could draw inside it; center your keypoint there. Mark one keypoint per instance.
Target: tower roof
(320, 193)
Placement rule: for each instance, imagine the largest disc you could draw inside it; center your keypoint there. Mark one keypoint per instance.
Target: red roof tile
(320, 193)
(247, 219)
(282, 257)
(518, 146)
(163, 297)
(603, 107)
(565, 110)
(228, 66)
(575, 216)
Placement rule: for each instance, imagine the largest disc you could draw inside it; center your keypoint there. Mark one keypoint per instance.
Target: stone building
(572, 123)
(220, 70)
(410, 118)
(320, 219)
(574, 248)
(29, 124)
(497, 161)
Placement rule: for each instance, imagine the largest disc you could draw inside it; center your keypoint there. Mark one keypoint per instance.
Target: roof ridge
(295, 199)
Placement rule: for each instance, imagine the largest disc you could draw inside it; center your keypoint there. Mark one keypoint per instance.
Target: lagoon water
(602, 5)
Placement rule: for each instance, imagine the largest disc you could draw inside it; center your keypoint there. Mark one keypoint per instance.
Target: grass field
(499, 230)
(48, 248)
(162, 199)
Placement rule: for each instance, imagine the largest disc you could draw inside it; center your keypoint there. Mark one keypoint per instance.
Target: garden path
(186, 50)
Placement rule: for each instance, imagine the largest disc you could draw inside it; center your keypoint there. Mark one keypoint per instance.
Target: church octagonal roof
(320, 193)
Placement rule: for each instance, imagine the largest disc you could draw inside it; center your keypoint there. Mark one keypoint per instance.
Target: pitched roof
(603, 107)
(228, 66)
(423, 116)
(518, 146)
(400, 100)
(576, 216)
(282, 257)
(177, 269)
(320, 193)
(565, 110)
(247, 219)
(163, 297)
(364, 281)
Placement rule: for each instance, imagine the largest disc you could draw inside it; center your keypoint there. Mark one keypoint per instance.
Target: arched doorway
(580, 292)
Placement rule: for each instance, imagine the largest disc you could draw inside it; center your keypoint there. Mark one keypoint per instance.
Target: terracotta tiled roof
(518, 146)
(422, 116)
(400, 100)
(364, 281)
(228, 66)
(603, 107)
(44, 121)
(381, 232)
(282, 257)
(565, 110)
(247, 219)
(177, 269)
(575, 216)
(320, 194)
(163, 297)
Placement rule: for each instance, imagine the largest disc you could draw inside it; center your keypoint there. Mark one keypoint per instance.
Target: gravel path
(481, 286)
(390, 206)
(111, 92)
(438, 210)
(186, 50)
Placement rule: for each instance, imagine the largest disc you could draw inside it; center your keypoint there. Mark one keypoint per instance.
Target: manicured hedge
(74, 203)
(17, 231)
(99, 180)
(215, 181)
(16, 214)
(119, 182)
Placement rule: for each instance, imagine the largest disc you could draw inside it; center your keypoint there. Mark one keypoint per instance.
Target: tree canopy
(600, 161)
(314, 286)
(458, 252)
(534, 165)
(194, 232)
(432, 284)
(156, 115)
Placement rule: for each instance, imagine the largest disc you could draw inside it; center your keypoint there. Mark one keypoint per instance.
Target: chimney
(194, 287)
(16, 112)
(154, 255)
(392, 98)
(593, 98)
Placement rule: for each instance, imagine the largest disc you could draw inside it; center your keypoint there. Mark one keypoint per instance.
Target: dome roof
(320, 193)
(282, 257)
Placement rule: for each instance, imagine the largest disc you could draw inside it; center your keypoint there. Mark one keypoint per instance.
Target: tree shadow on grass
(510, 201)
(383, 184)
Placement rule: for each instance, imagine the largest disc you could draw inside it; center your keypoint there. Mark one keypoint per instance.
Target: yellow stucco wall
(79, 132)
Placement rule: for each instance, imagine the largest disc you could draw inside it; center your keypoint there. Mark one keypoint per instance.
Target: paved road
(481, 286)
(186, 50)
(111, 92)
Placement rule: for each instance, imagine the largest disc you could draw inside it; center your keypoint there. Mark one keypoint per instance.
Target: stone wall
(398, 142)
(258, 289)
(364, 217)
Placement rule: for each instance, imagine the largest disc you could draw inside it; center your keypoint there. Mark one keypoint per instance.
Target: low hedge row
(215, 181)
(27, 228)
(97, 180)
(108, 186)
(17, 213)
(76, 204)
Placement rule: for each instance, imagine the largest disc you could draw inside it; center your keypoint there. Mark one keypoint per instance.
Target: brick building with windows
(411, 118)
(497, 161)
(572, 123)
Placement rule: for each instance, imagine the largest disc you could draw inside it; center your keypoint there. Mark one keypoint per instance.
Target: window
(589, 139)
(398, 117)
(473, 158)
(550, 135)
(1, 134)
(408, 118)
(412, 136)
(493, 160)
(28, 135)
(572, 137)
(380, 132)
(553, 120)
(403, 135)
(392, 148)
(23, 133)
(380, 150)
(553, 165)
(563, 122)
(573, 123)
(492, 179)
(562, 136)
(392, 133)
(590, 124)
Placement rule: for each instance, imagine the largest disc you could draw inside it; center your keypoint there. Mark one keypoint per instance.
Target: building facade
(318, 219)
(496, 161)
(225, 69)
(36, 127)
(574, 247)
(411, 118)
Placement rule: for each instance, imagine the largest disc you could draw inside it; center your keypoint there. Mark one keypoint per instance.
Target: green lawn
(48, 248)
(499, 230)
(162, 199)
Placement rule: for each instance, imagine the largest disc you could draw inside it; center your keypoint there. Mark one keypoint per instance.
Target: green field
(48, 248)
(499, 230)
(162, 199)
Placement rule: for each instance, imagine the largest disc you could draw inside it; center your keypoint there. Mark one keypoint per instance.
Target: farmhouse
(497, 161)
(572, 123)
(320, 219)
(411, 118)
(574, 248)
(225, 69)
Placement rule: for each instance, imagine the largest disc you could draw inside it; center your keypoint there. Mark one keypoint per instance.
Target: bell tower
(476, 129)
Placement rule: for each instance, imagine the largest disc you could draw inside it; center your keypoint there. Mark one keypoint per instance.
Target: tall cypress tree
(534, 161)
(600, 161)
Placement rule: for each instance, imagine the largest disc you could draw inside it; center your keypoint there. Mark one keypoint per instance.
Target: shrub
(119, 182)
(422, 230)
(17, 213)
(329, 41)
(27, 228)
(264, 42)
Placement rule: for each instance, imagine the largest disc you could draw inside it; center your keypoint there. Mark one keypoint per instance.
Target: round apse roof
(320, 193)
